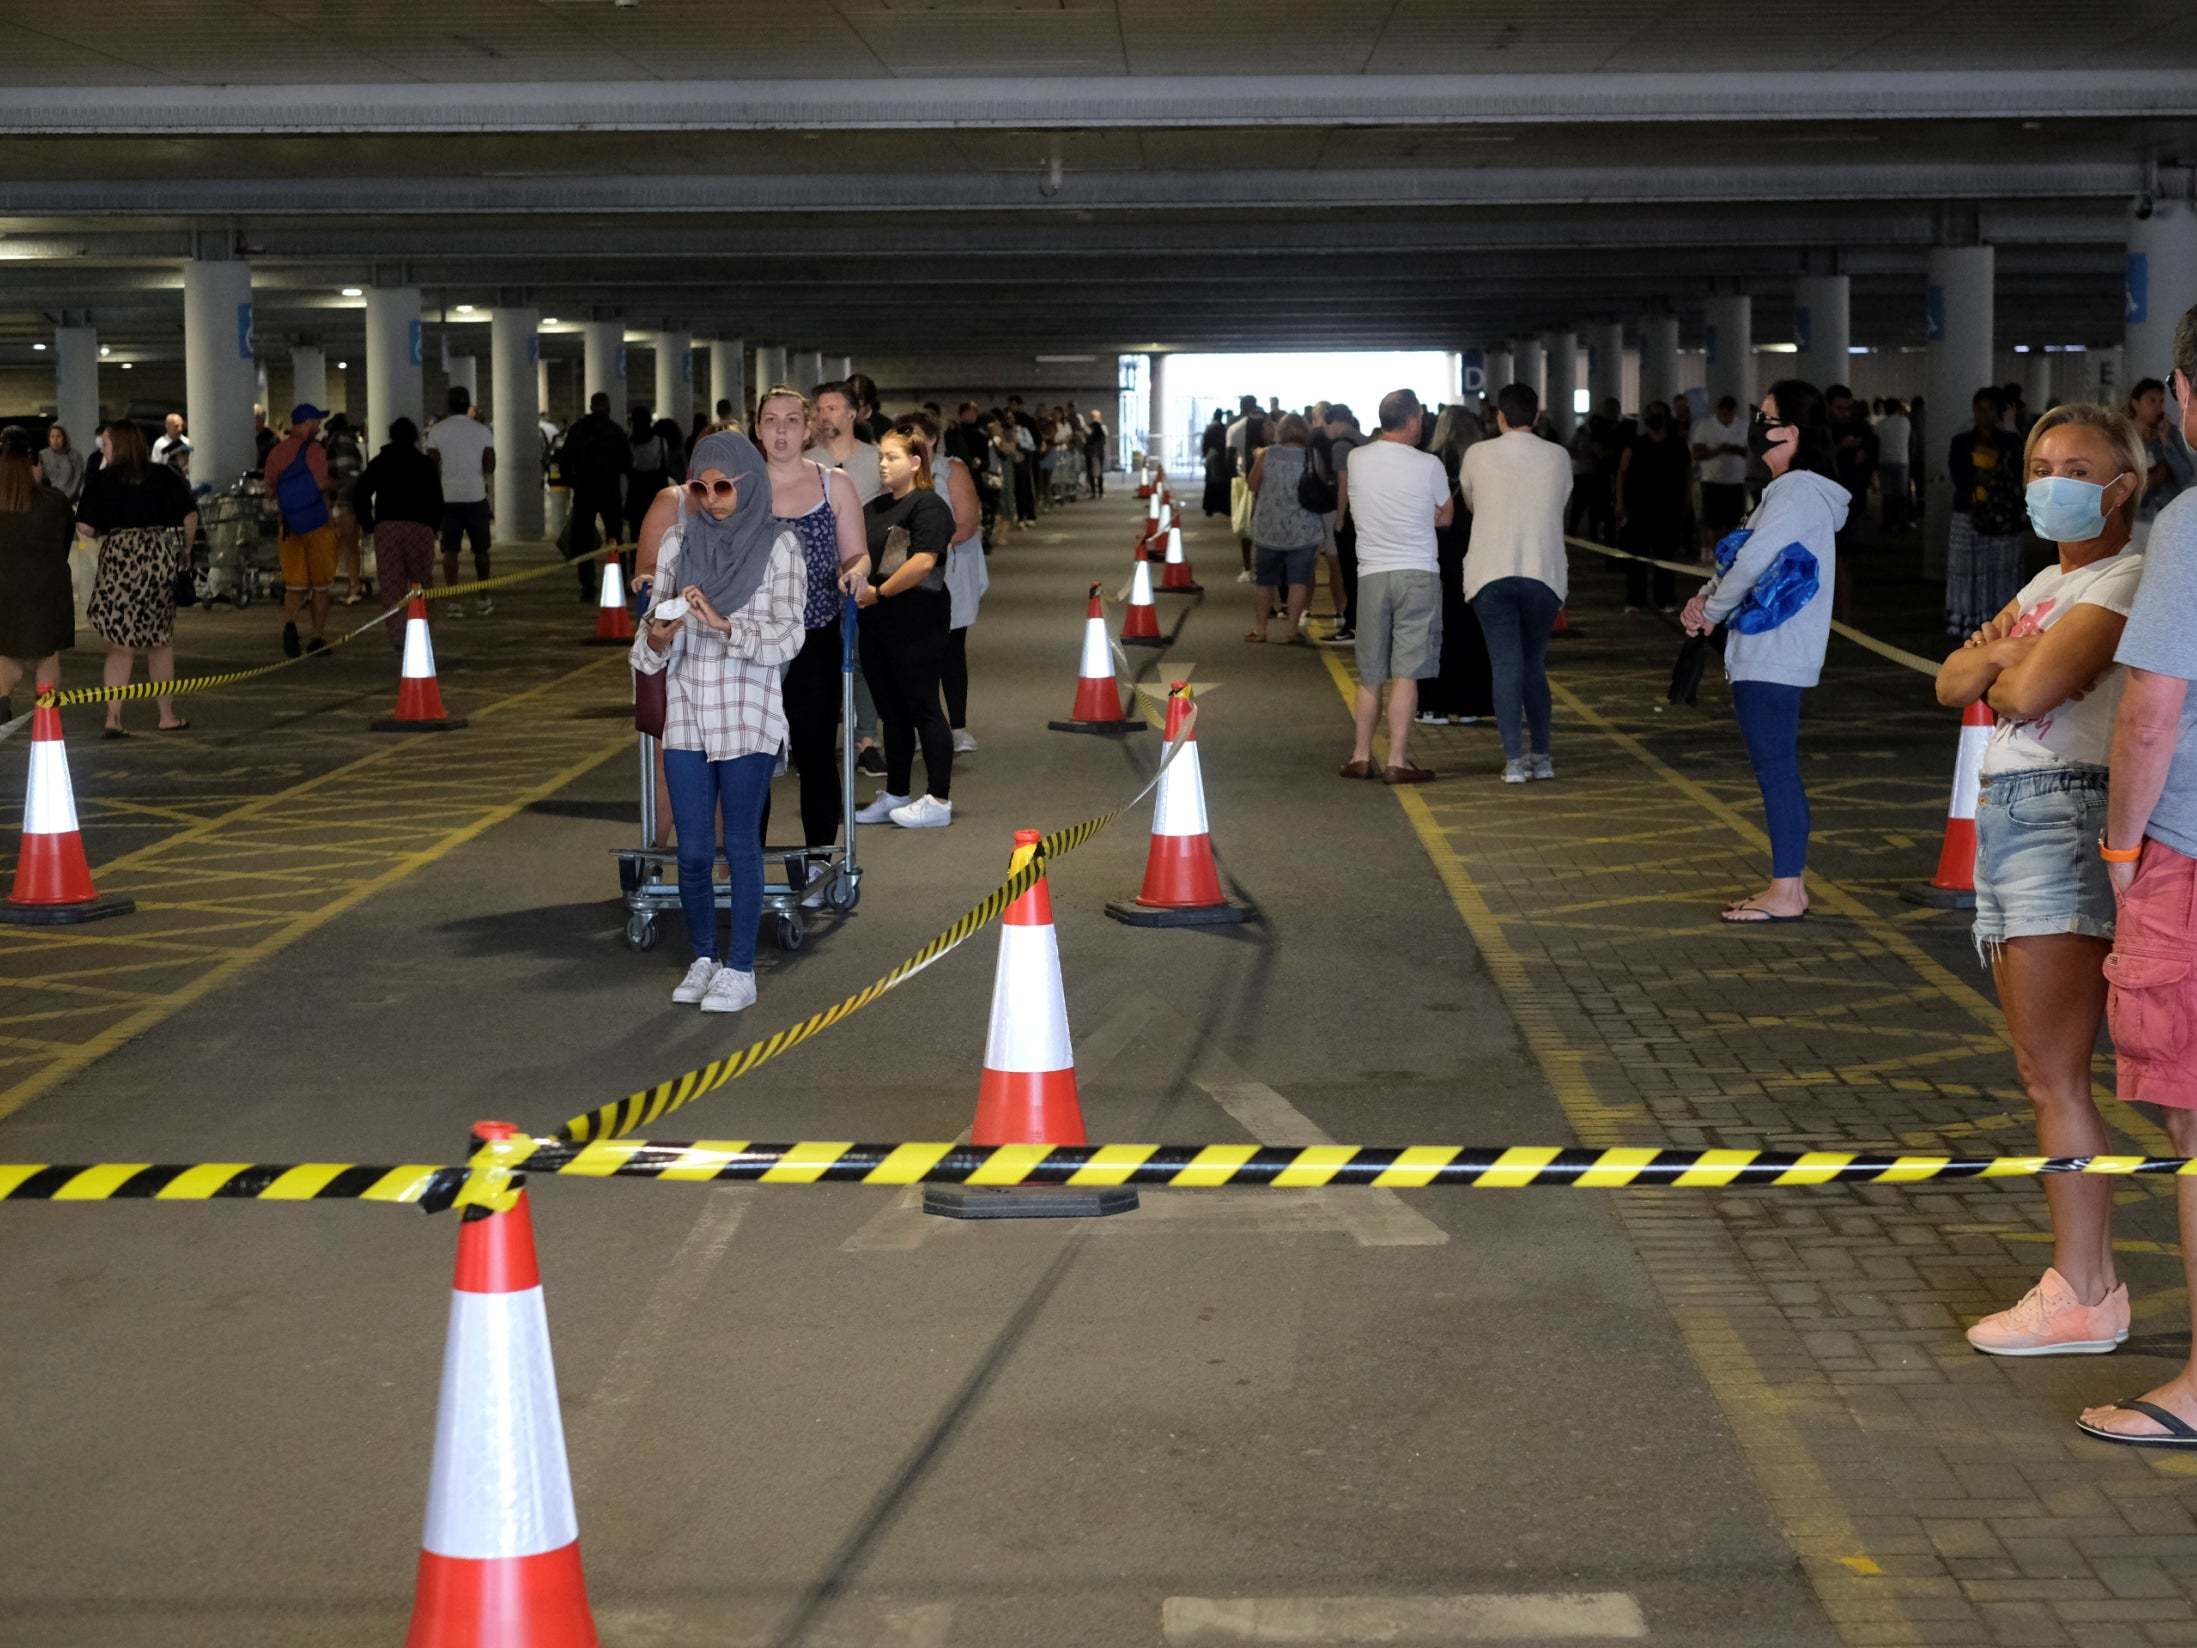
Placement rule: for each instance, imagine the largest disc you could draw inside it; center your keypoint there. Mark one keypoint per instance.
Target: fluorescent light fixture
(1065, 360)
(549, 320)
(343, 366)
(465, 308)
(2021, 349)
(104, 351)
(1779, 348)
(41, 348)
(126, 366)
(1859, 349)
(354, 291)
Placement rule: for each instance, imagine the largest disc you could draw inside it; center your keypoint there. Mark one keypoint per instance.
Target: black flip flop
(2179, 1434)
(173, 726)
(1760, 917)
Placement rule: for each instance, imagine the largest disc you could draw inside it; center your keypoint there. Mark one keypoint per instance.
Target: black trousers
(903, 657)
(1025, 494)
(955, 678)
(1346, 557)
(812, 693)
(592, 503)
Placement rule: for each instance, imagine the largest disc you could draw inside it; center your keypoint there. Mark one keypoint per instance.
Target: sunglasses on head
(703, 491)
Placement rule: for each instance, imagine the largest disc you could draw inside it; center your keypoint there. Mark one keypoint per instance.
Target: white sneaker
(729, 992)
(881, 810)
(1428, 718)
(696, 982)
(1543, 767)
(484, 606)
(964, 743)
(926, 813)
(1518, 771)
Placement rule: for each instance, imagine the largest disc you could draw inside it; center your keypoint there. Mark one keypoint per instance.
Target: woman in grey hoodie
(1773, 590)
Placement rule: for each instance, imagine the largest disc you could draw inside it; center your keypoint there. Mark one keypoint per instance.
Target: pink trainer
(2051, 1321)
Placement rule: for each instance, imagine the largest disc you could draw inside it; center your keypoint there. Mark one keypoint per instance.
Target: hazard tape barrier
(651, 1104)
(500, 1165)
(1861, 638)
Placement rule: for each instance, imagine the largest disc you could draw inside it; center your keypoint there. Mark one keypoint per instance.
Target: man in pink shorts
(2150, 849)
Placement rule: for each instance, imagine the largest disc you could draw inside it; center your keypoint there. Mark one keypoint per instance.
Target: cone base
(1181, 589)
(390, 723)
(63, 915)
(1940, 898)
(1223, 914)
(1144, 640)
(1121, 726)
(1029, 1202)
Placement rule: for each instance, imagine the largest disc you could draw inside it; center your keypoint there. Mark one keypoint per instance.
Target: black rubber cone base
(1144, 640)
(390, 723)
(1939, 898)
(1180, 589)
(1099, 726)
(1029, 1201)
(64, 915)
(1204, 915)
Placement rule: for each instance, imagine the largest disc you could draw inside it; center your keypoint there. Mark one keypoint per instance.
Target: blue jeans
(1515, 615)
(699, 788)
(1769, 722)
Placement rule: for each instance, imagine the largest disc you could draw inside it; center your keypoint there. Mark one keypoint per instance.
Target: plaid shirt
(723, 696)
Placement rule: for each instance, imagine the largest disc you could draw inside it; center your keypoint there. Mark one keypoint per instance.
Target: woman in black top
(1654, 497)
(904, 626)
(142, 514)
(1220, 463)
(37, 613)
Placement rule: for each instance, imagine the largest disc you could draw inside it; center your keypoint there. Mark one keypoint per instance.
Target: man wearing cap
(296, 477)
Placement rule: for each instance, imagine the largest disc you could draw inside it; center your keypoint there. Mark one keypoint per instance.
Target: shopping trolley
(238, 559)
(648, 875)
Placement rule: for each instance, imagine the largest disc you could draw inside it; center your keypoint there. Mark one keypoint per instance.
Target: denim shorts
(2037, 865)
(1279, 568)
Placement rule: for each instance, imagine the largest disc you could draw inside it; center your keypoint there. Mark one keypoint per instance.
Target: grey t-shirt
(861, 468)
(2162, 637)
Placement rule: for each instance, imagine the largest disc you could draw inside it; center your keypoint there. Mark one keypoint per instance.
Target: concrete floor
(812, 1416)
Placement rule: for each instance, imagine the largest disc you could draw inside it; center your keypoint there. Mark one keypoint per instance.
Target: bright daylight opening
(1193, 387)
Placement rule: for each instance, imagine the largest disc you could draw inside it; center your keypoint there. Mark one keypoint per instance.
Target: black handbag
(1315, 492)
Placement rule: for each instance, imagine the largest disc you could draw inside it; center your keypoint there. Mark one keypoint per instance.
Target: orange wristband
(2119, 855)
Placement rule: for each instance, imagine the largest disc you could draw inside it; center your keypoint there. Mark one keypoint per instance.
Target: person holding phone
(907, 616)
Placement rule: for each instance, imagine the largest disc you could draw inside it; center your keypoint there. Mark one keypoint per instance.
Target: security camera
(2145, 206)
(1048, 183)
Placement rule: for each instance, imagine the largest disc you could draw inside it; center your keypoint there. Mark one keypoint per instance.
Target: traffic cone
(500, 1554)
(1028, 1091)
(53, 882)
(613, 622)
(1175, 578)
(1954, 886)
(1182, 885)
(419, 699)
(1140, 625)
(1098, 696)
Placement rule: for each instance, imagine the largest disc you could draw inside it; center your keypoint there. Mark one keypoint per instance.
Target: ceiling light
(465, 308)
(126, 366)
(549, 320)
(354, 291)
(41, 348)
(343, 366)
(104, 351)
(2021, 349)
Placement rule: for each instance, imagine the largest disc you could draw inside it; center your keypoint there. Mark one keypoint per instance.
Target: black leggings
(812, 692)
(955, 678)
(903, 658)
(591, 504)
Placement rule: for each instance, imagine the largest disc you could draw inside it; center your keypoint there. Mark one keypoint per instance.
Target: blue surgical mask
(2065, 510)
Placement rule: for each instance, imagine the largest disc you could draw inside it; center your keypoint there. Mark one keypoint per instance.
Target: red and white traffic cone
(1098, 693)
(419, 699)
(1140, 623)
(1175, 578)
(1182, 884)
(53, 881)
(1954, 886)
(613, 621)
(1028, 1091)
(500, 1553)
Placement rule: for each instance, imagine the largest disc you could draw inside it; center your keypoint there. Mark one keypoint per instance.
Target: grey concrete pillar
(675, 377)
(308, 378)
(76, 382)
(771, 368)
(808, 371)
(1606, 365)
(728, 376)
(219, 377)
(605, 367)
(841, 366)
(1502, 369)
(1562, 351)
(1821, 329)
(394, 387)
(1155, 438)
(1533, 364)
(465, 374)
(541, 378)
(514, 381)
(2036, 375)
(1658, 358)
(2162, 286)
(1958, 320)
(1731, 340)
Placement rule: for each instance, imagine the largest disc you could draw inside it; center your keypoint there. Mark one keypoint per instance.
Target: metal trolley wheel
(640, 931)
(791, 934)
(844, 893)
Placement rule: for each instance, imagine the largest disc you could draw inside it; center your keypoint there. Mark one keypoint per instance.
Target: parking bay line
(1545, 1616)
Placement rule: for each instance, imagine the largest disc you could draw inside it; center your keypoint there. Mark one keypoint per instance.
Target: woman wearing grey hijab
(723, 640)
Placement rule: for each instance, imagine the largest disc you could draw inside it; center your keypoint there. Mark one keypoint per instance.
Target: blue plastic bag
(1790, 584)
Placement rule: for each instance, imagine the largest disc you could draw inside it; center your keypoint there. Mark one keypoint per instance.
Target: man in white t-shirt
(464, 449)
(1894, 436)
(1720, 447)
(1395, 495)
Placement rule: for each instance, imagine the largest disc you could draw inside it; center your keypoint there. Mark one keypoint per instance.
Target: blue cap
(306, 412)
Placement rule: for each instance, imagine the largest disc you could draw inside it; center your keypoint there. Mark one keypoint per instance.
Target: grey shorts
(1277, 567)
(1399, 626)
(2037, 865)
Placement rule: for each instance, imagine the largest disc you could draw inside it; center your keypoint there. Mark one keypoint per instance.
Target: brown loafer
(1356, 769)
(1407, 775)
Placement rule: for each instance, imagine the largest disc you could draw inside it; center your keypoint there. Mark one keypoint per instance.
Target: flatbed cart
(648, 874)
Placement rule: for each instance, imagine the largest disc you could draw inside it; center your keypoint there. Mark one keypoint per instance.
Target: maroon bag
(649, 707)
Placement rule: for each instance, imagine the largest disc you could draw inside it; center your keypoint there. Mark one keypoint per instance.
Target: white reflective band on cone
(1098, 658)
(419, 651)
(1179, 808)
(52, 803)
(1140, 590)
(1174, 546)
(499, 1485)
(1968, 772)
(1152, 507)
(613, 595)
(1029, 1016)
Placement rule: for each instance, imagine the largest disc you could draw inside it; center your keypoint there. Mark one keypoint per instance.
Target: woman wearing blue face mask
(2044, 908)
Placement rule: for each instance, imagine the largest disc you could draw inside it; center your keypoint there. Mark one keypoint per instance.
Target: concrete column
(308, 379)
(1821, 330)
(514, 354)
(1562, 350)
(1606, 365)
(2036, 377)
(2162, 287)
(808, 371)
(541, 377)
(76, 382)
(1659, 359)
(1502, 369)
(675, 378)
(605, 343)
(1155, 436)
(1533, 363)
(465, 374)
(771, 367)
(841, 366)
(1958, 321)
(394, 388)
(1731, 348)
(728, 376)
(219, 377)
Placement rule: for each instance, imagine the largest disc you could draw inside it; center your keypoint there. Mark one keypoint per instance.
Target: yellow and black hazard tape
(228, 1181)
(652, 1104)
(458, 592)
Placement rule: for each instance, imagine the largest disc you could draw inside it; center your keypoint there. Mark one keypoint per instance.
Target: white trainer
(1543, 767)
(881, 810)
(691, 987)
(729, 992)
(1518, 771)
(927, 813)
(964, 742)
(484, 607)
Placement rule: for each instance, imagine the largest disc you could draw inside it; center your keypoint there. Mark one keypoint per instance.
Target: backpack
(304, 509)
(1315, 492)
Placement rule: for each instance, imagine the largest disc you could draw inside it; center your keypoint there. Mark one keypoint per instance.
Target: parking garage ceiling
(866, 175)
